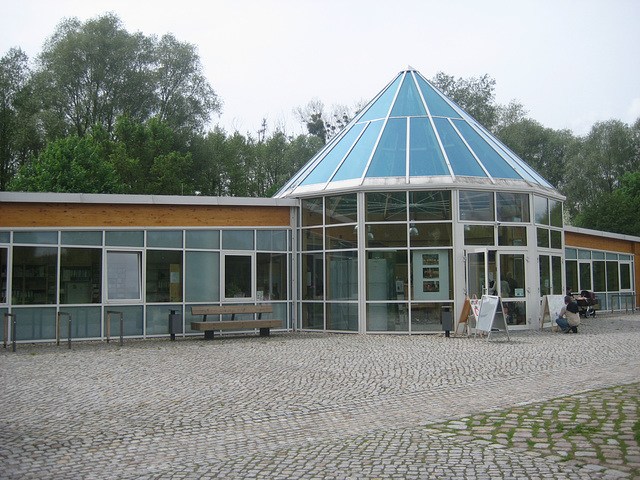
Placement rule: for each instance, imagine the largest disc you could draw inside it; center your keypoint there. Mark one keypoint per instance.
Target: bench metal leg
(208, 334)
(264, 332)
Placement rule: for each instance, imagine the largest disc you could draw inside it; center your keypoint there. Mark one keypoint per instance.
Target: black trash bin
(447, 320)
(175, 323)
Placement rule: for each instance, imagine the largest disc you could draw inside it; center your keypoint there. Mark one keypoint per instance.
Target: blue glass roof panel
(390, 159)
(495, 164)
(408, 102)
(425, 155)
(461, 160)
(380, 108)
(323, 171)
(438, 106)
(353, 166)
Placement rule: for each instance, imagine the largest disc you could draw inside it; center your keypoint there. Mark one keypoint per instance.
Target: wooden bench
(209, 327)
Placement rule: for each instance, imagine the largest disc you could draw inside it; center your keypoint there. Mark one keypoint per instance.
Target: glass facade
(94, 275)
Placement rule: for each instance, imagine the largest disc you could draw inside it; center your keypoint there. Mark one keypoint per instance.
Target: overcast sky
(571, 63)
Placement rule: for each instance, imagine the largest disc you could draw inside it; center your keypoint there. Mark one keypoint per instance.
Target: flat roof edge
(599, 233)
(42, 197)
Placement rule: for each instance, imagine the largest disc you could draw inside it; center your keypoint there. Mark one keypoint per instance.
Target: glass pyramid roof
(411, 134)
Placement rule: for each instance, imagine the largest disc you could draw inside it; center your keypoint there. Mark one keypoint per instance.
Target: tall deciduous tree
(13, 78)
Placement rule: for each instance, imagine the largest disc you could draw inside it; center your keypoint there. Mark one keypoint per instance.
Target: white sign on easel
(491, 316)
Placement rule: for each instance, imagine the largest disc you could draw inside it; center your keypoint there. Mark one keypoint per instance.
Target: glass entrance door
(481, 273)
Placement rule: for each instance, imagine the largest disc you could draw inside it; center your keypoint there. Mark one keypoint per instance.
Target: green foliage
(73, 164)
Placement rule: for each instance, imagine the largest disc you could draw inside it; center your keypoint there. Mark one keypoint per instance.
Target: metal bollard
(109, 327)
(58, 328)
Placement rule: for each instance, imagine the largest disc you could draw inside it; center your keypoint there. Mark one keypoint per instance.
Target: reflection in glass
(555, 208)
(512, 236)
(342, 209)
(271, 276)
(312, 276)
(385, 207)
(515, 312)
(476, 206)
(545, 275)
(312, 212)
(202, 277)
(342, 316)
(512, 275)
(585, 276)
(387, 275)
(164, 276)
(431, 235)
(431, 205)
(34, 275)
(81, 275)
(311, 239)
(427, 317)
(479, 235)
(237, 276)
(313, 316)
(387, 235)
(541, 210)
(543, 237)
(512, 207)
(342, 276)
(556, 266)
(124, 276)
(387, 317)
(341, 237)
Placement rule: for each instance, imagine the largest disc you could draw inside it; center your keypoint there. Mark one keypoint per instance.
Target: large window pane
(512, 236)
(311, 239)
(476, 206)
(432, 205)
(543, 237)
(541, 210)
(599, 277)
(85, 322)
(479, 235)
(432, 274)
(202, 277)
(342, 276)
(312, 212)
(545, 275)
(556, 239)
(625, 276)
(35, 323)
(341, 237)
(427, 317)
(512, 275)
(164, 276)
(386, 207)
(342, 316)
(3, 275)
(312, 276)
(342, 209)
(131, 321)
(35, 237)
(387, 317)
(585, 276)
(613, 284)
(157, 318)
(556, 266)
(237, 276)
(430, 234)
(387, 235)
(312, 316)
(34, 275)
(81, 275)
(271, 276)
(387, 275)
(515, 312)
(271, 240)
(512, 207)
(555, 212)
(123, 276)
(572, 276)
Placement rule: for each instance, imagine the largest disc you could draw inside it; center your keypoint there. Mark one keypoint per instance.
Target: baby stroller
(586, 303)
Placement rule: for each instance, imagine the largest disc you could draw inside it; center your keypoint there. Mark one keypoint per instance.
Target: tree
(72, 164)
(13, 77)
(184, 97)
(608, 152)
(475, 95)
(616, 211)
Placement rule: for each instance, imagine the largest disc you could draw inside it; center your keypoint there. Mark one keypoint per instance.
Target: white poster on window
(431, 275)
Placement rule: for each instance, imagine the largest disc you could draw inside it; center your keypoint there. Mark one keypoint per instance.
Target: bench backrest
(230, 309)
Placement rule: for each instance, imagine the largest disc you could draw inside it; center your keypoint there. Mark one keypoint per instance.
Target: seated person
(568, 317)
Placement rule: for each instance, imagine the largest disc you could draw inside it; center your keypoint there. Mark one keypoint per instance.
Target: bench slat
(235, 324)
(229, 309)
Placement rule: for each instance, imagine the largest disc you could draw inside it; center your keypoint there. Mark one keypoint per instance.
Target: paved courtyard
(318, 406)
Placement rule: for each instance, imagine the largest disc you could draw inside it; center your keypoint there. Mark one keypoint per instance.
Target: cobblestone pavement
(302, 405)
